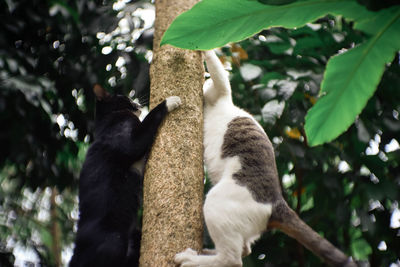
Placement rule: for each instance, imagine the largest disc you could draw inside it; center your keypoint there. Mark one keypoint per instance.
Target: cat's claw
(184, 256)
(173, 102)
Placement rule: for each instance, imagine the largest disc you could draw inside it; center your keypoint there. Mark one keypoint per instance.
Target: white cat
(246, 197)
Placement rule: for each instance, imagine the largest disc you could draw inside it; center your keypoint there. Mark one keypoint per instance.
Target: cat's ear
(100, 92)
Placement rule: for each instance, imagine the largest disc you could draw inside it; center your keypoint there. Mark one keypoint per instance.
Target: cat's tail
(286, 220)
(220, 86)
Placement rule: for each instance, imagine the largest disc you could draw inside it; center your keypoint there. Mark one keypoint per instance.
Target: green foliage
(345, 89)
(50, 58)
(351, 78)
(213, 23)
(361, 249)
(42, 79)
(350, 207)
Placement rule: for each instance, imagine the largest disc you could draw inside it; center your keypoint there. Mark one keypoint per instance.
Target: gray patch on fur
(258, 174)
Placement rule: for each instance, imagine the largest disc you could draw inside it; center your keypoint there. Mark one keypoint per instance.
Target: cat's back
(232, 133)
(245, 139)
(216, 120)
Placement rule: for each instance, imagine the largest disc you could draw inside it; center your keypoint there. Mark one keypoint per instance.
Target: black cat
(110, 185)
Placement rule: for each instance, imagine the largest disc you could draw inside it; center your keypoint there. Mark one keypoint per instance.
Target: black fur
(109, 188)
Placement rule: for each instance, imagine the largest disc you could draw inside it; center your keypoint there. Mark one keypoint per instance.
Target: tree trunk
(55, 229)
(173, 184)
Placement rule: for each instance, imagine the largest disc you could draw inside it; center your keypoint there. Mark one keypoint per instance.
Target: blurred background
(52, 52)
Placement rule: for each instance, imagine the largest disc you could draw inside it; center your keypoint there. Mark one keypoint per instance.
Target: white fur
(234, 219)
(173, 102)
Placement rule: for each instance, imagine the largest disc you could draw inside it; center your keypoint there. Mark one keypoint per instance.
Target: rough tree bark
(173, 183)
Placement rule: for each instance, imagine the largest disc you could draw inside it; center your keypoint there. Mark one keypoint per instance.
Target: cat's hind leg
(234, 220)
(222, 224)
(227, 256)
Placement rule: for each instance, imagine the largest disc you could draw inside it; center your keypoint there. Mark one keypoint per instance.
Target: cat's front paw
(173, 102)
(184, 256)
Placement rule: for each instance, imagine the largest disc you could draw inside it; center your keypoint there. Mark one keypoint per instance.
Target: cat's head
(107, 103)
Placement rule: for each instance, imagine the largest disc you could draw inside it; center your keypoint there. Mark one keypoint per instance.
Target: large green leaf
(214, 23)
(352, 77)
